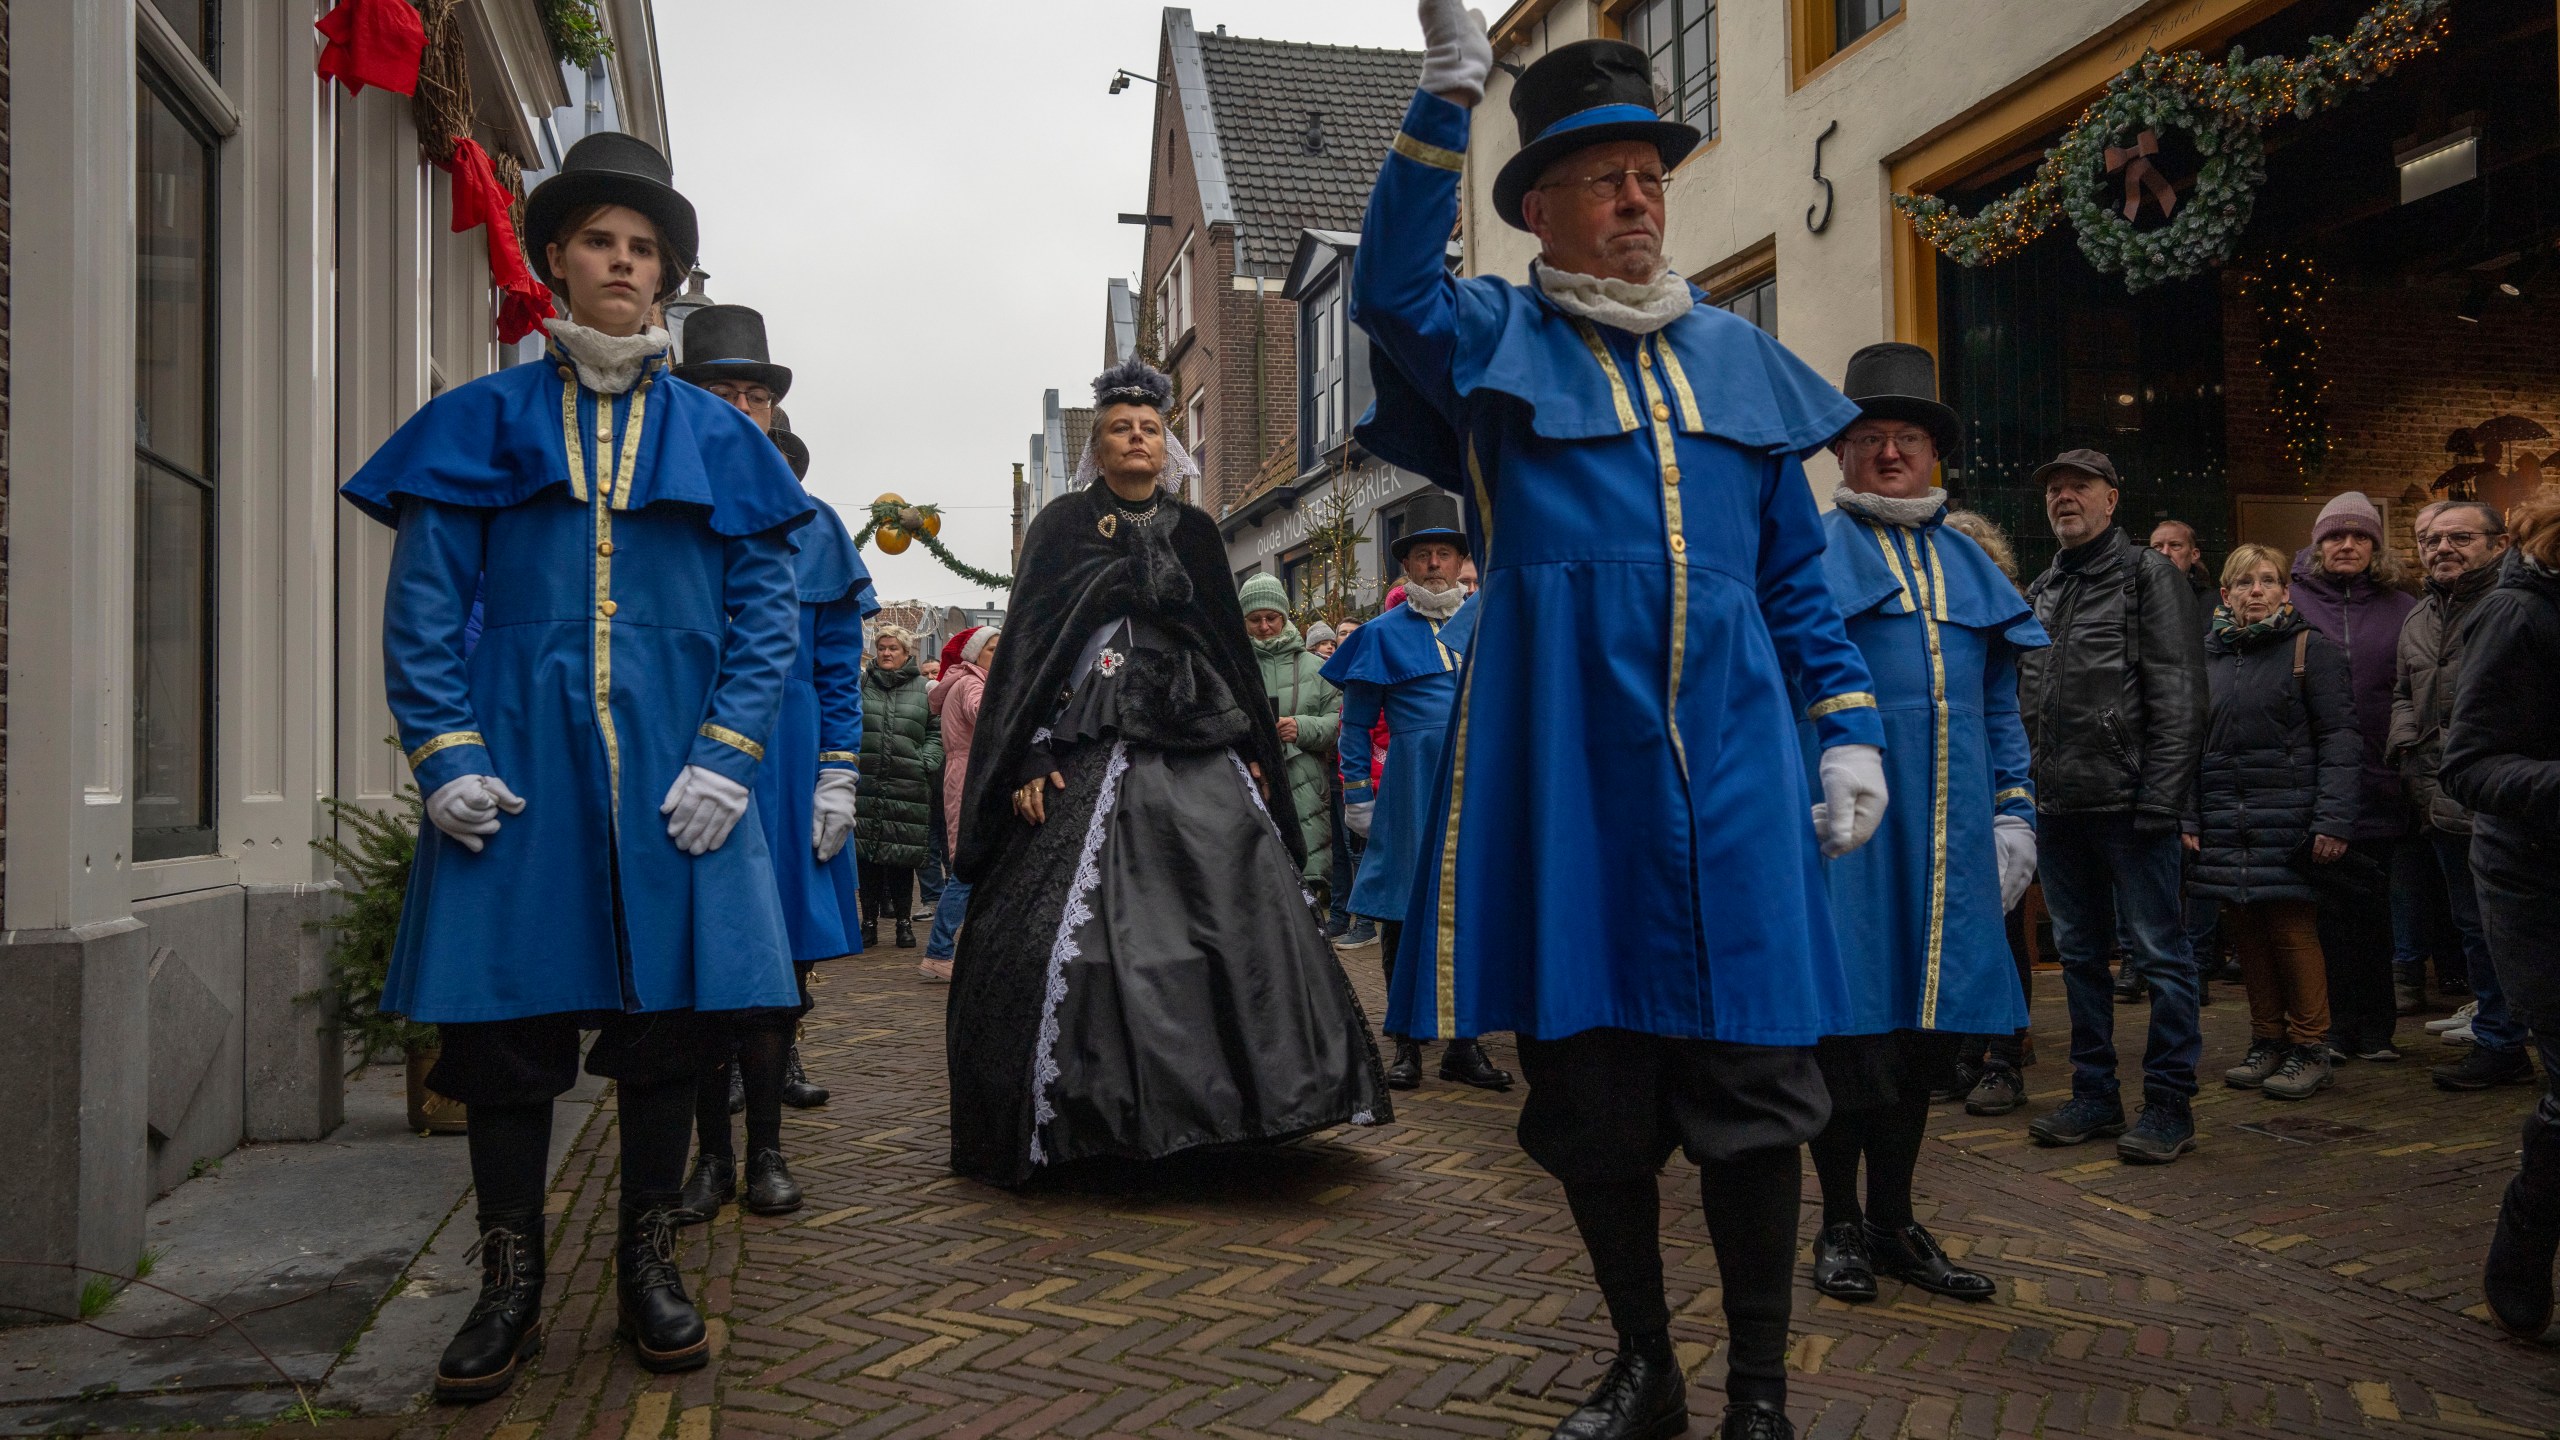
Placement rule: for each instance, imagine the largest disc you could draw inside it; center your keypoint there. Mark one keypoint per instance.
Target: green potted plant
(376, 866)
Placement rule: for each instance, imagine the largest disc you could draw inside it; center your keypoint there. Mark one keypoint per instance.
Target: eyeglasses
(1908, 442)
(1606, 186)
(2458, 539)
(735, 393)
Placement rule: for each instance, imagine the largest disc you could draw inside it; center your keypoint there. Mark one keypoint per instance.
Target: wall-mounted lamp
(1120, 80)
(2438, 163)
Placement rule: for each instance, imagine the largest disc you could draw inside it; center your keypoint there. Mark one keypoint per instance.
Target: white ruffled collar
(1641, 308)
(607, 364)
(1435, 605)
(1909, 512)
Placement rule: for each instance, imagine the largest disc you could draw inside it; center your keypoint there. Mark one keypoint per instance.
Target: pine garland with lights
(2287, 291)
(2220, 108)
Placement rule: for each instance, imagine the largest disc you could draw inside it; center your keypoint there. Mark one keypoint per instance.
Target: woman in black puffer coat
(893, 811)
(2502, 759)
(2278, 791)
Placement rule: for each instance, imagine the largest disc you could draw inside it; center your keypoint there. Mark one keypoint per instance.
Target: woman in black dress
(1141, 973)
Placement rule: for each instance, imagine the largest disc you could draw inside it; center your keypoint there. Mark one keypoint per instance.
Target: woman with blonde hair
(893, 811)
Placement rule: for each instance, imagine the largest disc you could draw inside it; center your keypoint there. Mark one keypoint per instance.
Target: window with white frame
(1195, 429)
(1173, 297)
(1324, 395)
(176, 472)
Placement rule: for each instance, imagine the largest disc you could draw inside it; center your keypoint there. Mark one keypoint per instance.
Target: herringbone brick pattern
(1421, 1279)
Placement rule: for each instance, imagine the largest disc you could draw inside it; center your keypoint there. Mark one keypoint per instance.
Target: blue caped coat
(1917, 908)
(1406, 666)
(1652, 599)
(639, 617)
(818, 728)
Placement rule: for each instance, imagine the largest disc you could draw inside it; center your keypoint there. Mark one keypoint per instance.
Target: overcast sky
(923, 201)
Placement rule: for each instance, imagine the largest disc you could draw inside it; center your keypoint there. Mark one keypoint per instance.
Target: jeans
(929, 875)
(2422, 924)
(947, 915)
(2496, 1025)
(2095, 867)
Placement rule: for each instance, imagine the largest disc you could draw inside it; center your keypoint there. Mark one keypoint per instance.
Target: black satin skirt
(1142, 976)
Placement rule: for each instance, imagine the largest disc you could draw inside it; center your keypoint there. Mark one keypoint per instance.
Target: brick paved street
(1422, 1279)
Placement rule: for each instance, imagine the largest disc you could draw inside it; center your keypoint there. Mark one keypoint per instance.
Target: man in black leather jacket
(2115, 717)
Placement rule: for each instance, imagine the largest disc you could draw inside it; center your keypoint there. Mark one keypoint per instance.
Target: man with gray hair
(2460, 543)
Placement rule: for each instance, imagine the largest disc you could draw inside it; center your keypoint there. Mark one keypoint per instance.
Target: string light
(2223, 104)
(2287, 291)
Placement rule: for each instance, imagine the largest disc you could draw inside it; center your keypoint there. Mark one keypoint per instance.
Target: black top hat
(795, 450)
(1894, 381)
(726, 342)
(1588, 93)
(611, 168)
(1433, 517)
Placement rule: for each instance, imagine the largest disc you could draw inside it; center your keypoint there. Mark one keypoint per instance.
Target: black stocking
(1751, 1216)
(1621, 1224)
(762, 1056)
(655, 1120)
(510, 1153)
(1894, 1133)
(711, 1112)
(1835, 1161)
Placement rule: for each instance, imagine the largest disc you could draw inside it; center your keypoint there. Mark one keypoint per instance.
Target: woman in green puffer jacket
(893, 810)
(1310, 714)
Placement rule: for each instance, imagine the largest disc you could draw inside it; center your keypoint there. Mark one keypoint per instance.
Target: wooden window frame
(1812, 39)
(1613, 26)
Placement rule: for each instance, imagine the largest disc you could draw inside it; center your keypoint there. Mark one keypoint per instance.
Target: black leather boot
(656, 1316)
(797, 1092)
(2517, 1277)
(1756, 1420)
(1912, 1254)
(1842, 1268)
(713, 1183)
(1643, 1397)
(770, 1188)
(870, 934)
(906, 934)
(504, 1330)
(1465, 1062)
(1405, 1071)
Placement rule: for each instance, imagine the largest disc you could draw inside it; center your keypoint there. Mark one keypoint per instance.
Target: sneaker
(2265, 1057)
(2484, 1069)
(1362, 932)
(2460, 1035)
(2081, 1119)
(2165, 1131)
(1960, 1083)
(2458, 1020)
(2407, 998)
(2380, 1052)
(2305, 1072)
(1997, 1093)
(937, 971)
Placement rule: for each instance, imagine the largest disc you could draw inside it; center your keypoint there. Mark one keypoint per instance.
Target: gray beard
(1435, 605)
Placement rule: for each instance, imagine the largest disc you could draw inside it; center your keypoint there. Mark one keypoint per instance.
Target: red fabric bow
(373, 42)
(478, 199)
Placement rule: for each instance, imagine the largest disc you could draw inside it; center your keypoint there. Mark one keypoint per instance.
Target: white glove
(466, 807)
(2015, 840)
(1355, 817)
(1852, 798)
(831, 813)
(1457, 54)
(702, 807)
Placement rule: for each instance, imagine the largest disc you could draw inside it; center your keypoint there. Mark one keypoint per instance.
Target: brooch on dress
(1109, 662)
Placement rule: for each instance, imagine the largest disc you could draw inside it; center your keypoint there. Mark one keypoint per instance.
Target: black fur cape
(1072, 578)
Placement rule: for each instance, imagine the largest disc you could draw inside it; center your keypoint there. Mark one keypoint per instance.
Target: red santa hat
(968, 645)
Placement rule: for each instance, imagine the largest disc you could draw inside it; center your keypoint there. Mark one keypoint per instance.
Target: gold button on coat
(1661, 411)
(1679, 544)
(607, 608)
(604, 547)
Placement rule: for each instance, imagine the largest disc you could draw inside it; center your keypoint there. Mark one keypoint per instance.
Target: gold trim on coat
(1929, 575)
(1609, 366)
(1444, 968)
(600, 679)
(838, 757)
(1423, 152)
(2014, 792)
(733, 739)
(445, 742)
(1845, 700)
(1666, 448)
(1689, 416)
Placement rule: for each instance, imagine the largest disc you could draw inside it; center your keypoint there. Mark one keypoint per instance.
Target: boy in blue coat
(593, 859)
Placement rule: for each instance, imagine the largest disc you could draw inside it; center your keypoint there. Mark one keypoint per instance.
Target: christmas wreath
(2218, 109)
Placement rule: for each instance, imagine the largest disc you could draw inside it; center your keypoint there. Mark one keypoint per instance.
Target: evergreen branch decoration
(377, 866)
(2287, 291)
(2220, 108)
(576, 31)
(894, 523)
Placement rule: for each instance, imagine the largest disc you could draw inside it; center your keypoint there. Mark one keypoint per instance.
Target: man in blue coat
(1918, 911)
(593, 858)
(1633, 461)
(1404, 665)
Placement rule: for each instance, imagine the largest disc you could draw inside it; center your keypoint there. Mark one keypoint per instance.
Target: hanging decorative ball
(893, 541)
(891, 498)
(930, 522)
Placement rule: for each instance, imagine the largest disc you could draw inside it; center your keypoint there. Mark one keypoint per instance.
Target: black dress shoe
(906, 934)
(1465, 1062)
(656, 1315)
(1756, 1420)
(713, 1183)
(797, 1092)
(1911, 1253)
(770, 1188)
(2129, 986)
(1842, 1269)
(1643, 1397)
(504, 1329)
(1405, 1071)
(870, 934)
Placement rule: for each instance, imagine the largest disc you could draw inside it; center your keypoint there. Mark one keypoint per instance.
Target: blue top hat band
(1599, 115)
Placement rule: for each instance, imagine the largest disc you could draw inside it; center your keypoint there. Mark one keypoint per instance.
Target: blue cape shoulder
(1979, 597)
(1398, 646)
(1512, 340)
(828, 566)
(498, 441)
